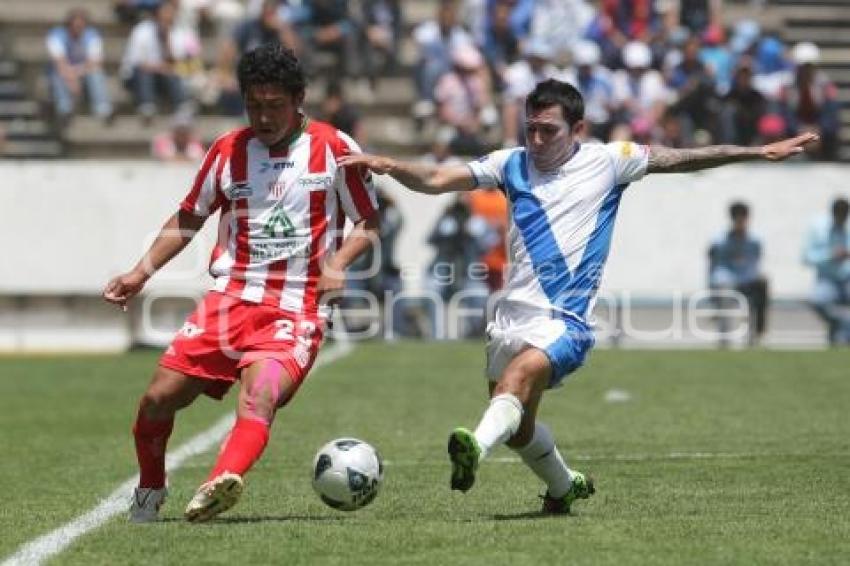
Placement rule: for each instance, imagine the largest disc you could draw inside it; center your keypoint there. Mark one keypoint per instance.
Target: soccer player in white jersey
(283, 200)
(563, 197)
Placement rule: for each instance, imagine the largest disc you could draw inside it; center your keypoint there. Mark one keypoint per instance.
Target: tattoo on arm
(668, 160)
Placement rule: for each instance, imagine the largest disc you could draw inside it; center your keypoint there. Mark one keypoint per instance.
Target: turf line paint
(40, 549)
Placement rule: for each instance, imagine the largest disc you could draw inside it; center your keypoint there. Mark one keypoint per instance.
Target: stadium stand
(31, 133)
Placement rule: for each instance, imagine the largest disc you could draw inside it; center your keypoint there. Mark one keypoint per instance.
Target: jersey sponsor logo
(315, 182)
(269, 251)
(278, 224)
(239, 190)
(190, 330)
(626, 149)
(267, 166)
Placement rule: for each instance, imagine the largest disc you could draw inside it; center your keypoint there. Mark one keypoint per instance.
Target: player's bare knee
(266, 386)
(158, 404)
(518, 380)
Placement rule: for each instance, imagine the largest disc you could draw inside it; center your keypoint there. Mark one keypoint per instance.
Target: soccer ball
(347, 473)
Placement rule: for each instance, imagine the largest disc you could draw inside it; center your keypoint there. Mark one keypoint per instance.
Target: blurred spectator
(717, 58)
(639, 91)
(697, 99)
(474, 14)
(158, 58)
(464, 103)
(696, 15)
(827, 249)
(561, 23)
(491, 205)
(520, 79)
(330, 29)
(771, 128)
(269, 26)
(734, 265)
(222, 14)
(76, 65)
(435, 41)
(131, 11)
(772, 69)
(441, 153)
(382, 27)
(671, 133)
(811, 101)
(743, 108)
(336, 110)
(595, 84)
(380, 275)
(460, 239)
(180, 143)
(500, 44)
(745, 35)
(626, 20)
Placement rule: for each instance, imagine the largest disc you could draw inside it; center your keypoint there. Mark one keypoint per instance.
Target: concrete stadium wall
(68, 226)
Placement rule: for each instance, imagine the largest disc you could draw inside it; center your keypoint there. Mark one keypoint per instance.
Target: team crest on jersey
(239, 190)
(276, 189)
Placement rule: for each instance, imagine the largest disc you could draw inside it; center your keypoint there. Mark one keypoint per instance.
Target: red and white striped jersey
(281, 212)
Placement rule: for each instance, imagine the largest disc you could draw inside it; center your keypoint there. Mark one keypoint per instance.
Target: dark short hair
(551, 92)
(840, 207)
(738, 209)
(271, 63)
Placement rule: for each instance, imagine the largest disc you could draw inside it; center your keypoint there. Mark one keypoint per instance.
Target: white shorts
(564, 339)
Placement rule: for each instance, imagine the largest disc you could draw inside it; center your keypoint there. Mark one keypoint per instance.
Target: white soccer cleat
(146, 503)
(214, 497)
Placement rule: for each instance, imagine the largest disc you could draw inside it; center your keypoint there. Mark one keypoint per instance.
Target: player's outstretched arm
(668, 160)
(175, 235)
(419, 177)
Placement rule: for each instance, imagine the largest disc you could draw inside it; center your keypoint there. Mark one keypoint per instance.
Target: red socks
(151, 439)
(247, 441)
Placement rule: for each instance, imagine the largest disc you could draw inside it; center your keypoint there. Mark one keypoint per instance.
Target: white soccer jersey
(561, 221)
(281, 213)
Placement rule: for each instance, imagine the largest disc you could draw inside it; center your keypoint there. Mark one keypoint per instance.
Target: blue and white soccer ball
(347, 473)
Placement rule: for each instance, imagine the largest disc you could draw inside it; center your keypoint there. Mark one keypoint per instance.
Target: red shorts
(225, 334)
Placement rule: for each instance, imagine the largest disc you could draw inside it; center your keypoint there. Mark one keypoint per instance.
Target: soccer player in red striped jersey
(282, 200)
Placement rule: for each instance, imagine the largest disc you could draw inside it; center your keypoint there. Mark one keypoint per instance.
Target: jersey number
(285, 327)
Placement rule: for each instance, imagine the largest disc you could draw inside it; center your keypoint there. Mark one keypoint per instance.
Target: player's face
(272, 112)
(548, 137)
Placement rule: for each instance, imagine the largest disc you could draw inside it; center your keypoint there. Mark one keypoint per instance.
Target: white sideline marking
(38, 550)
(617, 396)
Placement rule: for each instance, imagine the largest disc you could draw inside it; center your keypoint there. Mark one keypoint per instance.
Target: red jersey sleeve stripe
(318, 226)
(201, 183)
(359, 193)
(239, 173)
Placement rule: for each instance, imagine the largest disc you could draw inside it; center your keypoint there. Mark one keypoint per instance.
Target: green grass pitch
(717, 458)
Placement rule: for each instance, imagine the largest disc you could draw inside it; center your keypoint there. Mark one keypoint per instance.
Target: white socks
(500, 422)
(542, 456)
